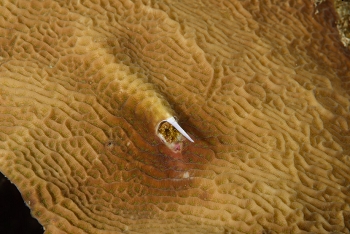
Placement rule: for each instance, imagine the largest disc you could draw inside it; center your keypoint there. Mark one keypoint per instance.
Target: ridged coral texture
(262, 87)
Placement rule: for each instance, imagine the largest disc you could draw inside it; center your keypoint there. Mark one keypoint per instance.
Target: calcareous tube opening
(171, 134)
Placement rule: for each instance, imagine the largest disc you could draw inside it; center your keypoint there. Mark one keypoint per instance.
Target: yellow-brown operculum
(170, 136)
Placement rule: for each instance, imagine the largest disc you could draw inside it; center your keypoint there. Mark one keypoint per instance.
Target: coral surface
(262, 87)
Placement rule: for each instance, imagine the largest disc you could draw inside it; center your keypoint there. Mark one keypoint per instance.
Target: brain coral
(262, 87)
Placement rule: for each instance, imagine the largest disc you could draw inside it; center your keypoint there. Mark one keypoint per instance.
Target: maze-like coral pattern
(261, 86)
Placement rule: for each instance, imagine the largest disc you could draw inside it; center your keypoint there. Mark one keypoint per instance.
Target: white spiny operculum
(173, 122)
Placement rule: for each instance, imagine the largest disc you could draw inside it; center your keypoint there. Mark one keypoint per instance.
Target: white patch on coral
(186, 175)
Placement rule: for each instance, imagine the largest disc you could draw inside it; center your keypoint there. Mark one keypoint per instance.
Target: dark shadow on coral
(14, 214)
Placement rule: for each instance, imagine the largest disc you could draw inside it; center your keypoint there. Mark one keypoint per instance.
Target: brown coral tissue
(262, 87)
